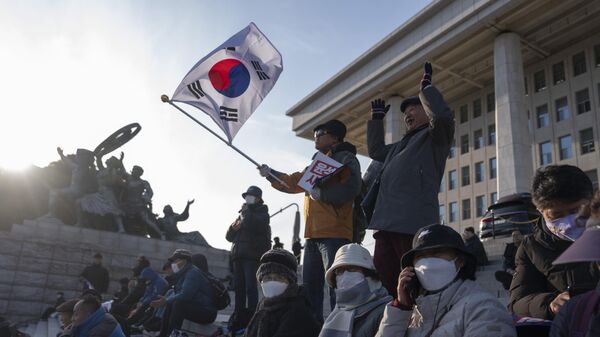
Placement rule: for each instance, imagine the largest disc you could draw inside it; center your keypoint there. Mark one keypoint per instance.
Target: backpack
(221, 297)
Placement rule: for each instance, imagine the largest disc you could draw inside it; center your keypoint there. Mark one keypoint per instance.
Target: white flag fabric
(229, 83)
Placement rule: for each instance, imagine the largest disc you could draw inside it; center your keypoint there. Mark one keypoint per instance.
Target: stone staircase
(49, 328)
(39, 258)
(485, 276)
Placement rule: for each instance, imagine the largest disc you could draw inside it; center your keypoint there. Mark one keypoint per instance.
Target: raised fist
(427, 74)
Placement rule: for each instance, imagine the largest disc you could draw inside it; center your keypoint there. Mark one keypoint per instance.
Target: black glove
(379, 109)
(428, 72)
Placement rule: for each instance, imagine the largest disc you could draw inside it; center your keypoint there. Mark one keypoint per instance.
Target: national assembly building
(523, 80)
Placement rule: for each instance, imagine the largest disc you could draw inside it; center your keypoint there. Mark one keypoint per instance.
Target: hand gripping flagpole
(166, 99)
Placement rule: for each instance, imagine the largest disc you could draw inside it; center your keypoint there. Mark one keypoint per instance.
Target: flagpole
(166, 99)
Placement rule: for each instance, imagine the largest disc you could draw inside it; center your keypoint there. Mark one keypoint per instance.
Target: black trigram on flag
(261, 74)
(228, 114)
(196, 89)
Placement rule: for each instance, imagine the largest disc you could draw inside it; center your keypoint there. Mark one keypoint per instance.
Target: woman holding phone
(437, 295)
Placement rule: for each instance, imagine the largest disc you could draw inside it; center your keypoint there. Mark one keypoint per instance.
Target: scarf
(352, 303)
(264, 317)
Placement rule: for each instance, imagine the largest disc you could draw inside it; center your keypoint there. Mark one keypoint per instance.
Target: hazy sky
(73, 72)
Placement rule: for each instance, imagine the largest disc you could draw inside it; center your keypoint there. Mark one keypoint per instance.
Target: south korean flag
(229, 83)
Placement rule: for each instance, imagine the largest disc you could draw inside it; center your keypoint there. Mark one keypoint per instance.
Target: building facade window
(452, 217)
(452, 152)
(479, 172)
(490, 102)
(479, 205)
(477, 108)
(493, 198)
(478, 141)
(542, 116)
(545, 153)
(582, 99)
(597, 56)
(452, 179)
(492, 134)
(586, 139)
(593, 175)
(464, 113)
(464, 144)
(579, 66)
(565, 144)
(442, 214)
(558, 72)
(526, 86)
(493, 169)
(539, 81)
(465, 178)
(466, 209)
(562, 109)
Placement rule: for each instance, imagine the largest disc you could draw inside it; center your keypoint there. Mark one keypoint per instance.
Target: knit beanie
(280, 262)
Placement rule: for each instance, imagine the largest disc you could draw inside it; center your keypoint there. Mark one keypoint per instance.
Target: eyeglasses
(320, 133)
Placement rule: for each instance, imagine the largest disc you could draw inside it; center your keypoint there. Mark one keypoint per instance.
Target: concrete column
(513, 144)
(394, 121)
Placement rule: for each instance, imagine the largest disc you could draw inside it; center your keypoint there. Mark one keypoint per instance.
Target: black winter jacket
(537, 281)
(97, 276)
(286, 315)
(254, 236)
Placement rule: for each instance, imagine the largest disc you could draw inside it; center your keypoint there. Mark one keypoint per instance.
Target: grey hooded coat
(411, 177)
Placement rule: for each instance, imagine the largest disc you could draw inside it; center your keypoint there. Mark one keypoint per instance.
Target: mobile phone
(575, 290)
(412, 288)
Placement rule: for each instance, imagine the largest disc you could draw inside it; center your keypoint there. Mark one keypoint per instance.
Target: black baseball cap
(333, 127)
(414, 100)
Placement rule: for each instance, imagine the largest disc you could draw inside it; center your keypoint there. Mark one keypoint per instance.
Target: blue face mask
(568, 228)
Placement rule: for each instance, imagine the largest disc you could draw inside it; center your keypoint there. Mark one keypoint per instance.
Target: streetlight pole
(296, 220)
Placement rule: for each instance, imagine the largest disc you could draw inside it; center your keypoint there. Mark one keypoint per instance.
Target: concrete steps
(41, 257)
(41, 329)
(487, 280)
(53, 327)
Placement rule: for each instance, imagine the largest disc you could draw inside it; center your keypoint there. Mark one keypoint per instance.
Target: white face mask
(175, 267)
(273, 288)
(250, 199)
(349, 279)
(569, 228)
(435, 273)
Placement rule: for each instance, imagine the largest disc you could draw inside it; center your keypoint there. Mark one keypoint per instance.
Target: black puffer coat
(254, 236)
(286, 315)
(537, 282)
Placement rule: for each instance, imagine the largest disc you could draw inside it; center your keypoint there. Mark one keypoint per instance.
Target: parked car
(509, 213)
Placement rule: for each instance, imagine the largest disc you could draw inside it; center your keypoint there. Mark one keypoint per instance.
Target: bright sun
(15, 163)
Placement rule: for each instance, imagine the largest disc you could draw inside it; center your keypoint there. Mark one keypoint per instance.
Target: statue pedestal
(41, 257)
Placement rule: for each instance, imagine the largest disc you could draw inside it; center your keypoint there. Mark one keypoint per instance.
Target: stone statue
(168, 224)
(105, 202)
(137, 201)
(83, 181)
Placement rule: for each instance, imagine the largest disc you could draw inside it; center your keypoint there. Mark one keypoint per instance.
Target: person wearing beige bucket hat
(580, 315)
(360, 296)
